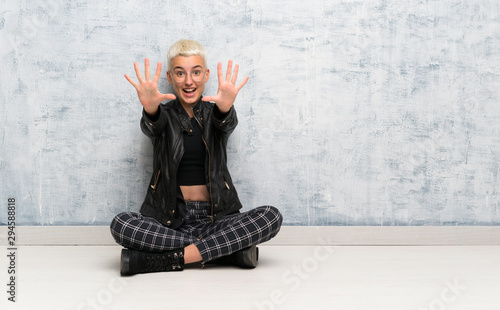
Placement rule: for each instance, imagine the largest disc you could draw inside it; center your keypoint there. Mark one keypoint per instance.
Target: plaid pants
(227, 235)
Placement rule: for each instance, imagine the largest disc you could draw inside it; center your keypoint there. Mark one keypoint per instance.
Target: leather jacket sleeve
(224, 123)
(153, 127)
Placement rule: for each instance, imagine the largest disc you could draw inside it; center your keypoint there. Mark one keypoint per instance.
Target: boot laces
(163, 262)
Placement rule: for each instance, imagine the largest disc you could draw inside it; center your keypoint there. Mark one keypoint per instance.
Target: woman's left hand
(226, 94)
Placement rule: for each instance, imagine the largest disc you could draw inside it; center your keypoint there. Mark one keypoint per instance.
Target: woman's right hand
(147, 89)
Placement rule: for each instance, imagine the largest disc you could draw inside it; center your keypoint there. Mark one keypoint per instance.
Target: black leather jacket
(164, 200)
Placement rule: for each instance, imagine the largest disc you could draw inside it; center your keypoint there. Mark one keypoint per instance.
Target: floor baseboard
(289, 235)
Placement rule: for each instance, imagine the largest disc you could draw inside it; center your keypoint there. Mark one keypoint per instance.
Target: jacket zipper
(153, 186)
(209, 164)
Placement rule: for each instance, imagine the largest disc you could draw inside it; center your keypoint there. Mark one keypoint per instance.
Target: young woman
(191, 210)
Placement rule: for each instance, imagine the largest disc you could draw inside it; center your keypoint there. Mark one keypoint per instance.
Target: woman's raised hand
(226, 94)
(147, 89)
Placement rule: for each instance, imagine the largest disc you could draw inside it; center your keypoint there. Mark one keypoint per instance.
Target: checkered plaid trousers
(227, 235)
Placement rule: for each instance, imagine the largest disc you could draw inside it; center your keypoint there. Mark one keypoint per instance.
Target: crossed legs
(200, 240)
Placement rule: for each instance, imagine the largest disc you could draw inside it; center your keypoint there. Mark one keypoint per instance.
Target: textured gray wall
(356, 112)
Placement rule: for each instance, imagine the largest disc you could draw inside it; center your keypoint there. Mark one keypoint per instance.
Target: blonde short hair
(186, 48)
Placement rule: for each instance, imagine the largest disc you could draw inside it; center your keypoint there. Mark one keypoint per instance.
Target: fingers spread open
(245, 80)
(137, 72)
(157, 73)
(235, 75)
(229, 69)
(168, 97)
(219, 72)
(131, 81)
(146, 69)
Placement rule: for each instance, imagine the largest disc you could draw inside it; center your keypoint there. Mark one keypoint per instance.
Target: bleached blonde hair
(186, 48)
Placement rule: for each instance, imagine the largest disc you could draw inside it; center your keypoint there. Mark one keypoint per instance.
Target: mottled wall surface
(356, 112)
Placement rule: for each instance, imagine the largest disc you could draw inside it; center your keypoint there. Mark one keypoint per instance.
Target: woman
(191, 210)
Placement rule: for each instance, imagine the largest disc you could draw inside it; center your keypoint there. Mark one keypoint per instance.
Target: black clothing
(164, 200)
(192, 166)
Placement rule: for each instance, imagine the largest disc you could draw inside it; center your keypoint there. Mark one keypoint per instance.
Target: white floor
(288, 277)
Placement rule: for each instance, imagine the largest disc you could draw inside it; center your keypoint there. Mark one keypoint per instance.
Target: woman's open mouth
(189, 91)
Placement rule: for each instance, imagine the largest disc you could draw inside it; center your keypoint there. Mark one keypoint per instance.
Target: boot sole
(249, 257)
(125, 263)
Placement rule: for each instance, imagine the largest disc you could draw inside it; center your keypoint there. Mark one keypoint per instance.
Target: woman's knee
(119, 219)
(278, 214)
(273, 212)
(273, 216)
(119, 222)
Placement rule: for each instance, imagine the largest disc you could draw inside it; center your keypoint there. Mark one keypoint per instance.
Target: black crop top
(192, 166)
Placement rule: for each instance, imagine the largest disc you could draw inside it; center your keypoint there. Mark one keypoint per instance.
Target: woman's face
(188, 75)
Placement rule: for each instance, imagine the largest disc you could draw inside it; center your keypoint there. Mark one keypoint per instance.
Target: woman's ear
(169, 77)
(207, 75)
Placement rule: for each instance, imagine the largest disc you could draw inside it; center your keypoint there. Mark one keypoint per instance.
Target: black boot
(133, 262)
(246, 258)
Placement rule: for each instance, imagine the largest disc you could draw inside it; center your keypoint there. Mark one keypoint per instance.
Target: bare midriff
(195, 193)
